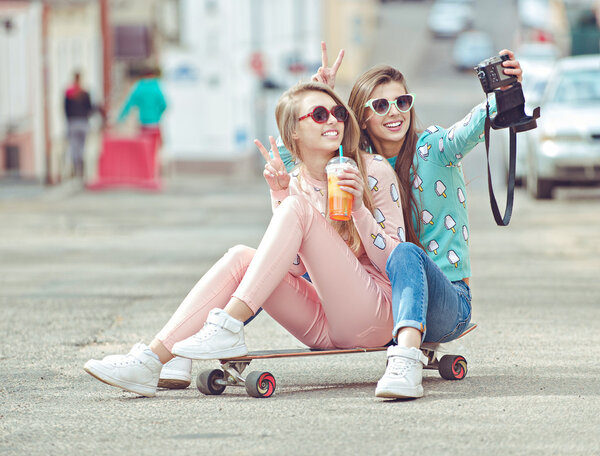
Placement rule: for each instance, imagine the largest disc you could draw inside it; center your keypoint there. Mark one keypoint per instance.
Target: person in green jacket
(147, 96)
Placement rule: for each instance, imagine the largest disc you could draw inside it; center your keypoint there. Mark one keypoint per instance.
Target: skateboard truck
(214, 382)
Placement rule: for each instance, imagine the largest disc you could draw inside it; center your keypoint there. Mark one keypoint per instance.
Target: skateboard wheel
(205, 382)
(453, 367)
(260, 384)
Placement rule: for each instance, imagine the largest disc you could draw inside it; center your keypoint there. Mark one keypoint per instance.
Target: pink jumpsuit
(348, 302)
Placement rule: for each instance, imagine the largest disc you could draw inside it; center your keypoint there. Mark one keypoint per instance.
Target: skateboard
(440, 357)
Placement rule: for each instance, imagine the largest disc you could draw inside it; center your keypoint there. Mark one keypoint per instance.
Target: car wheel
(537, 187)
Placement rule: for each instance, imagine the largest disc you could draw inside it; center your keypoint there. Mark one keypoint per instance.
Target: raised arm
(458, 140)
(274, 173)
(325, 74)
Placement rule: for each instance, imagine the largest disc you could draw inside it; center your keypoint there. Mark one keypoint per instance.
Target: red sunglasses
(321, 114)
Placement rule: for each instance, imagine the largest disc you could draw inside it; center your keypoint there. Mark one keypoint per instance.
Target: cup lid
(337, 160)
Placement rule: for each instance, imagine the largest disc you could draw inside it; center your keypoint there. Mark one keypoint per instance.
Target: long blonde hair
(287, 116)
(360, 94)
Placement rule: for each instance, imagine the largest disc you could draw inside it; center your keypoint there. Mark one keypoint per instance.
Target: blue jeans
(424, 298)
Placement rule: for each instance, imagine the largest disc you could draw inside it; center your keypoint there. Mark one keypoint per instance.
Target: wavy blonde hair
(360, 94)
(287, 116)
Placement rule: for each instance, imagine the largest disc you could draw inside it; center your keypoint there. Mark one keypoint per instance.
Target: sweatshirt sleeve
(383, 230)
(286, 156)
(457, 141)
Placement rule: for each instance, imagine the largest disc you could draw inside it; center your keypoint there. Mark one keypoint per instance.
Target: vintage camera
(510, 101)
(491, 74)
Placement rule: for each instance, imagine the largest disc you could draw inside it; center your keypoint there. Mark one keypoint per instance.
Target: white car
(470, 48)
(535, 78)
(448, 18)
(565, 148)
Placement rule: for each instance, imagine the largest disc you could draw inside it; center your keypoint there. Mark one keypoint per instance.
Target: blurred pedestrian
(78, 108)
(314, 122)
(147, 96)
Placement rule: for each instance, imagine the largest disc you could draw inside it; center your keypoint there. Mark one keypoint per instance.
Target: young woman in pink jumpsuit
(313, 121)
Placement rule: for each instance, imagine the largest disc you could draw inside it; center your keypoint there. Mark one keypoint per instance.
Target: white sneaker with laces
(221, 337)
(137, 371)
(176, 374)
(403, 374)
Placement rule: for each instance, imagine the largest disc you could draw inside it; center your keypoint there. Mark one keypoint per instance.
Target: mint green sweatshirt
(440, 190)
(148, 97)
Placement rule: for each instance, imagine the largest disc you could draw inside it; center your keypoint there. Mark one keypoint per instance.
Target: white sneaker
(403, 374)
(221, 337)
(137, 371)
(176, 374)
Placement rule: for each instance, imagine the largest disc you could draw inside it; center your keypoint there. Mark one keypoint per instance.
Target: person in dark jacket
(78, 108)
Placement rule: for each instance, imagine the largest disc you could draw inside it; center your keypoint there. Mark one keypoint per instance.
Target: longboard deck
(291, 352)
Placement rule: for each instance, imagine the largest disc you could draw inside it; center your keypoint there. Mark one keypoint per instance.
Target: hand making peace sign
(275, 173)
(324, 74)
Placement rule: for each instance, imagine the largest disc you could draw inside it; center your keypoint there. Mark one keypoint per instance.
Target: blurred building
(234, 59)
(21, 91)
(225, 64)
(41, 45)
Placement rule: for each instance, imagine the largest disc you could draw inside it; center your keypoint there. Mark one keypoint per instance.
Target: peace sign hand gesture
(324, 74)
(275, 173)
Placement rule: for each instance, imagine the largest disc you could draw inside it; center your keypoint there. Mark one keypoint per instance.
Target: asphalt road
(89, 274)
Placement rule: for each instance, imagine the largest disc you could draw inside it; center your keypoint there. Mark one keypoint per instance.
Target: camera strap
(510, 185)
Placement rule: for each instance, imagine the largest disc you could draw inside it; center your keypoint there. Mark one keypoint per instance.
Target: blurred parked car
(565, 148)
(535, 78)
(448, 18)
(538, 51)
(537, 61)
(471, 48)
(534, 13)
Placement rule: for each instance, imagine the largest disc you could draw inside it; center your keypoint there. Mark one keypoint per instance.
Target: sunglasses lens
(380, 106)
(340, 113)
(404, 102)
(320, 114)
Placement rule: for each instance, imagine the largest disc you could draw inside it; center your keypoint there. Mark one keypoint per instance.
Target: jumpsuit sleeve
(278, 196)
(297, 269)
(457, 141)
(383, 230)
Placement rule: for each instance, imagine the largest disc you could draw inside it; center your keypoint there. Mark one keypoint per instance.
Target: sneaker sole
(399, 393)
(235, 352)
(131, 387)
(173, 383)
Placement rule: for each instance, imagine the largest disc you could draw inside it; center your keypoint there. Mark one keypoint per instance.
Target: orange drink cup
(339, 201)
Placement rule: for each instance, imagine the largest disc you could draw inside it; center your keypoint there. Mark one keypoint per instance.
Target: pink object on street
(128, 162)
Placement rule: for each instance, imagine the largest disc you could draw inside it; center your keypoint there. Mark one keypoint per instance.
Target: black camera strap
(510, 185)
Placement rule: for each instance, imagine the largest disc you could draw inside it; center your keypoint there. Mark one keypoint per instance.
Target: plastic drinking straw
(341, 153)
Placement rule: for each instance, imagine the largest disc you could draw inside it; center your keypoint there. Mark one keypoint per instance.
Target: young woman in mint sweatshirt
(431, 298)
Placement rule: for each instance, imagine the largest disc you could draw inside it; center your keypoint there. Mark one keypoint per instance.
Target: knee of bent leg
(404, 254)
(240, 254)
(296, 205)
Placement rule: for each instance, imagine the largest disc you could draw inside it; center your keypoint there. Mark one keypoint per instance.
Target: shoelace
(398, 365)
(130, 358)
(208, 330)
